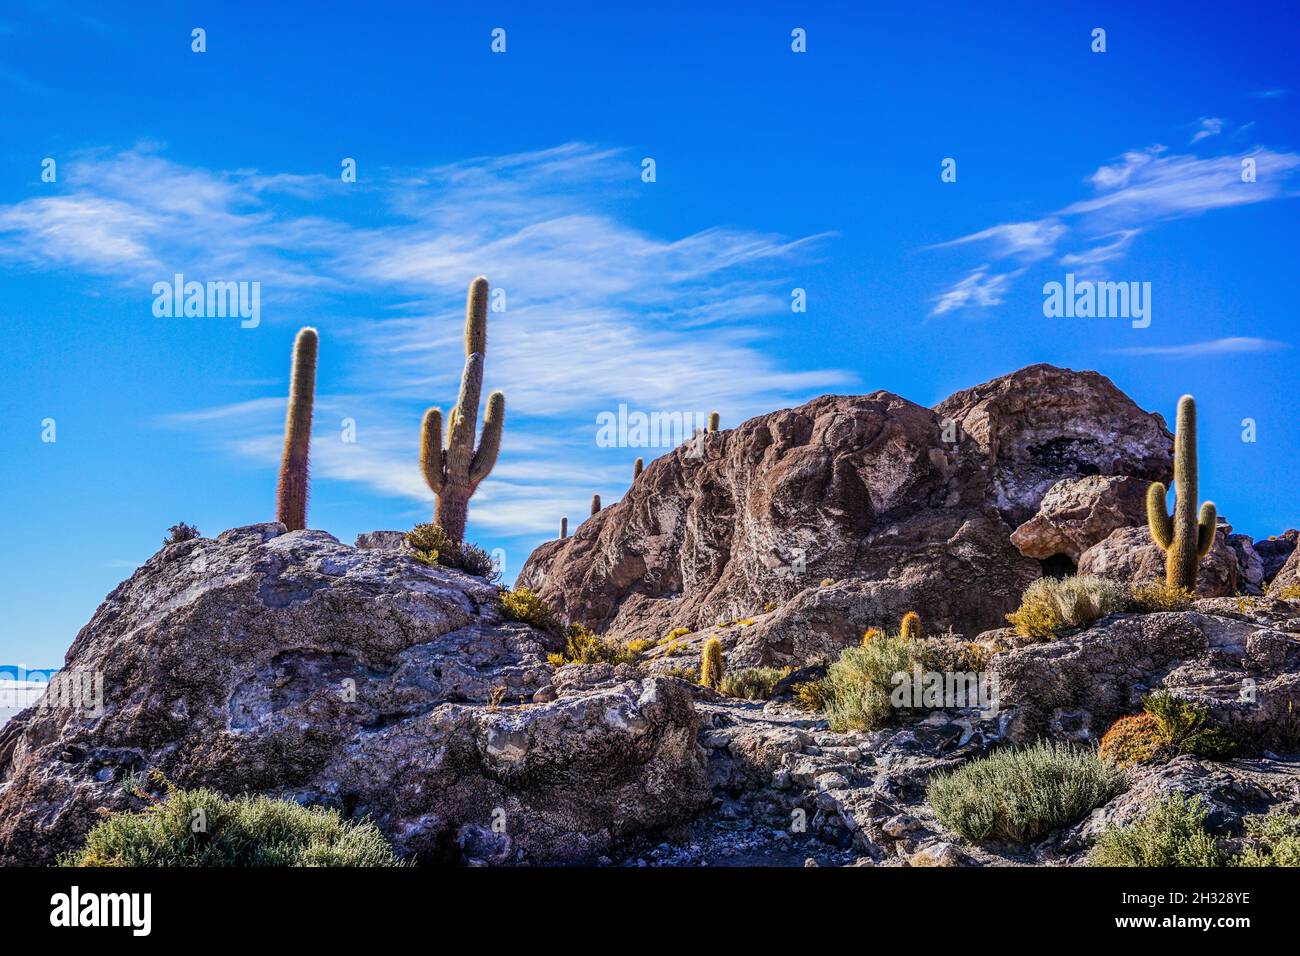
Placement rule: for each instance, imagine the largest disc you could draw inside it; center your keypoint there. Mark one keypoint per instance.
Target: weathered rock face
(1288, 576)
(1042, 423)
(293, 665)
(872, 493)
(1241, 665)
(1077, 513)
(1129, 555)
(1275, 551)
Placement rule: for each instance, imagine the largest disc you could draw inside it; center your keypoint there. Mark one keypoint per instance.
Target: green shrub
(811, 695)
(1049, 604)
(1186, 727)
(857, 687)
(1022, 795)
(203, 828)
(1172, 833)
(752, 683)
(1152, 597)
(582, 646)
(433, 546)
(526, 607)
(1273, 840)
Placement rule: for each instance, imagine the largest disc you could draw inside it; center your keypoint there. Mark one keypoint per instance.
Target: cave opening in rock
(1058, 566)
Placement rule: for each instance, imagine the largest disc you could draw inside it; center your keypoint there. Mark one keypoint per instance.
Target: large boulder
(861, 489)
(1129, 555)
(293, 665)
(1043, 423)
(1077, 513)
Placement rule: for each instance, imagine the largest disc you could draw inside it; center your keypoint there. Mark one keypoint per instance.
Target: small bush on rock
(1022, 795)
(1154, 597)
(811, 695)
(1167, 727)
(1186, 727)
(1049, 604)
(245, 831)
(1133, 740)
(582, 646)
(752, 683)
(180, 532)
(526, 607)
(433, 546)
(1290, 593)
(1171, 834)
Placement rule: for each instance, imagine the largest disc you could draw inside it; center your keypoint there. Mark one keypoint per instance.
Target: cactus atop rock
(714, 421)
(595, 503)
(564, 527)
(454, 473)
(291, 492)
(1183, 537)
(637, 467)
(910, 627)
(711, 663)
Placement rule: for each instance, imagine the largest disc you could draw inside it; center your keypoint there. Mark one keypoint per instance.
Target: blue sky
(775, 170)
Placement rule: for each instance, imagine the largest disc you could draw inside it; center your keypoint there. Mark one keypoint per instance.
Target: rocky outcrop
(1129, 555)
(859, 490)
(1274, 552)
(1077, 513)
(1287, 577)
(1043, 423)
(895, 506)
(1241, 663)
(296, 666)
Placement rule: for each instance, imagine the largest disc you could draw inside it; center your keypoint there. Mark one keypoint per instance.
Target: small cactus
(564, 527)
(291, 492)
(637, 466)
(910, 627)
(711, 663)
(1183, 537)
(595, 503)
(454, 473)
(870, 634)
(714, 421)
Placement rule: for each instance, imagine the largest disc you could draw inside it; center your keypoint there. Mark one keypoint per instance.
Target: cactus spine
(595, 503)
(711, 663)
(291, 492)
(454, 473)
(910, 627)
(637, 467)
(1183, 538)
(714, 421)
(564, 527)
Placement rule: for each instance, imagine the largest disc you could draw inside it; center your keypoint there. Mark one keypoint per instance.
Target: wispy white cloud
(1131, 196)
(1209, 126)
(596, 312)
(978, 290)
(1270, 94)
(1237, 345)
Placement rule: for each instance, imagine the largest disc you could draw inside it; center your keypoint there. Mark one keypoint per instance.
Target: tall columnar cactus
(564, 527)
(637, 467)
(711, 663)
(910, 627)
(454, 473)
(1184, 538)
(291, 492)
(595, 503)
(714, 421)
